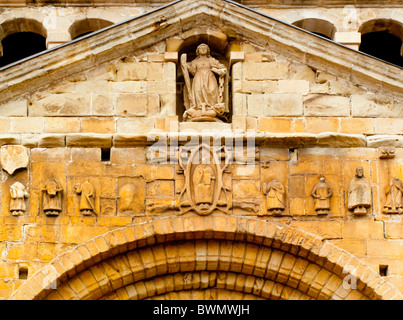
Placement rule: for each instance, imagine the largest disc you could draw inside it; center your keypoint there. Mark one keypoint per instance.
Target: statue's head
(359, 171)
(322, 179)
(203, 49)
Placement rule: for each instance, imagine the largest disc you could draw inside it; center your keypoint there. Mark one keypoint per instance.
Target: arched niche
(21, 38)
(218, 45)
(85, 26)
(317, 26)
(382, 38)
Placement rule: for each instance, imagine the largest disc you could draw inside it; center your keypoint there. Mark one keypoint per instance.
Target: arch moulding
(200, 257)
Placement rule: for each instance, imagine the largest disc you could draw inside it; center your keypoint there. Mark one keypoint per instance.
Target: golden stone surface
(252, 222)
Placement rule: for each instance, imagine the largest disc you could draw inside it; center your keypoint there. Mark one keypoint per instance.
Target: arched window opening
(383, 39)
(320, 27)
(20, 45)
(382, 45)
(86, 26)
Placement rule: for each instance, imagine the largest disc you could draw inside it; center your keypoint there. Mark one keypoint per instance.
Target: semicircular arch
(87, 25)
(374, 25)
(22, 24)
(144, 256)
(317, 26)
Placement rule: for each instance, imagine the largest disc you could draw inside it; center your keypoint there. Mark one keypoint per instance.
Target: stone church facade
(201, 150)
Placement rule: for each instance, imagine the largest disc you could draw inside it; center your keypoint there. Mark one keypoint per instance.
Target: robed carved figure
(203, 95)
(87, 199)
(394, 194)
(322, 193)
(52, 197)
(275, 197)
(18, 194)
(359, 193)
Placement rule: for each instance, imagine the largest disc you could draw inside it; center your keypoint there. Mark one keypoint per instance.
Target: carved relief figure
(52, 199)
(87, 199)
(322, 193)
(394, 194)
(126, 196)
(275, 196)
(203, 180)
(359, 193)
(18, 194)
(204, 190)
(204, 97)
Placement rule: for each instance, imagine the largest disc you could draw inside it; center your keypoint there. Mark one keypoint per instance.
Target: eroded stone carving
(204, 190)
(394, 194)
(18, 194)
(52, 197)
(87, 198)
(13, 158)
(359, 193)
(127, 194)
(275, 197)
(387, 152)
(203, 96)
(251, 205)
(322, 193)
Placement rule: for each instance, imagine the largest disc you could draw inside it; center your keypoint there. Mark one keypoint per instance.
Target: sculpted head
(359, 172)
(203, 49)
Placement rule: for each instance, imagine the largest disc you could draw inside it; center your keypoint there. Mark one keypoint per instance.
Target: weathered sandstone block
(65, 104)
(275, 104)
(265, 70)
(374, 105)
(322, 105)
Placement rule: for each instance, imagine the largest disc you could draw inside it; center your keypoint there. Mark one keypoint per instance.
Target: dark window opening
(23, 273)
(20, 45)
(383, 45)
(383, 270)
(105, 154)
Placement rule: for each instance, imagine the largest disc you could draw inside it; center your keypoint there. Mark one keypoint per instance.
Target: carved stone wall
(95, 162)
(33, 238)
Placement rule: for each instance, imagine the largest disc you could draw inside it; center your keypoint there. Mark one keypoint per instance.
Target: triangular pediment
(144, 34)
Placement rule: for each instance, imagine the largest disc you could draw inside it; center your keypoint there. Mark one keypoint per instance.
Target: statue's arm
(217, 67)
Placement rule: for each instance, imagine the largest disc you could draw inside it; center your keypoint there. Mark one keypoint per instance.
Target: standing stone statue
(18, 194)
(87, 199)
(359, 193)
(322, 193)
(52, 197)
(394, 194)
(203, 97)
(275, 196)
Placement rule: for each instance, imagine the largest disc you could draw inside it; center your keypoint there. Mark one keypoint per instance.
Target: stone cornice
(132, 36)
(284, 140)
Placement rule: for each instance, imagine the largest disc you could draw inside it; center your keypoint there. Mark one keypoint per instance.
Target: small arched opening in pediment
(85, 26)
(319, 27)
(382, 38)
(20, 39)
